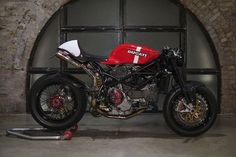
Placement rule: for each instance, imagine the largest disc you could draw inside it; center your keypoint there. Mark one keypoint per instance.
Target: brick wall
(219, 19)
(21, 21)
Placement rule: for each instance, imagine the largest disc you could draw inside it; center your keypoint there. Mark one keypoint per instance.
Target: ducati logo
(137, 53)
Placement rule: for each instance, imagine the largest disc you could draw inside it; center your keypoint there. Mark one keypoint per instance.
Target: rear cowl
(131, 54)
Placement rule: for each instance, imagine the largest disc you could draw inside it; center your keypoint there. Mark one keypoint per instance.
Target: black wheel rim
(56, 102)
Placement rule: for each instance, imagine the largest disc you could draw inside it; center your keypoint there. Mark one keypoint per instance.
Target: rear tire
(186, 124)
(56, 103)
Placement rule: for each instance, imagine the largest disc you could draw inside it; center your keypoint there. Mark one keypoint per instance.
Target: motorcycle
(123, 85)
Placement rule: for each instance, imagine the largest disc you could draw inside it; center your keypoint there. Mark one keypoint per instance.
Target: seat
(86, 56)
(91, 57)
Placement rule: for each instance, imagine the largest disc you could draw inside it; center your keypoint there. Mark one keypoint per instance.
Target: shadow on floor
(101, 134)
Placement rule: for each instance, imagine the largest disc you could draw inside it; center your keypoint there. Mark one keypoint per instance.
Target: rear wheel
(190, 122)
(56, 103)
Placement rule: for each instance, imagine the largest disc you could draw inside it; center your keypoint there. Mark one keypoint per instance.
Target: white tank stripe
(136, 57)
(138, 48)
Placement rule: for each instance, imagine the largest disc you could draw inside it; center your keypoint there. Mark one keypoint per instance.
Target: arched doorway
(102, 25)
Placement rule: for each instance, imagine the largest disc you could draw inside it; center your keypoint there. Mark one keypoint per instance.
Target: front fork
(187, 91)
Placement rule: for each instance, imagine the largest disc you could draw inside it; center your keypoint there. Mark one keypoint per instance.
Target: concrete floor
(143, 136)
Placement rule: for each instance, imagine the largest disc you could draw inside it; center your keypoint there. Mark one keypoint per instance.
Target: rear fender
(76, 82)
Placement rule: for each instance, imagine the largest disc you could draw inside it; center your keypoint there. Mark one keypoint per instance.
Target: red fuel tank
(131, 54)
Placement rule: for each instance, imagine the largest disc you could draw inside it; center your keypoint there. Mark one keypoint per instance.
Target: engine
(122, 70)
(124, 98)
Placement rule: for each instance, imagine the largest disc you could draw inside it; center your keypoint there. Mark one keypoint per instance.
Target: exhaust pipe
(64, 56)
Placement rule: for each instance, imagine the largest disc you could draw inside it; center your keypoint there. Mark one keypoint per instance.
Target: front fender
(189, 87)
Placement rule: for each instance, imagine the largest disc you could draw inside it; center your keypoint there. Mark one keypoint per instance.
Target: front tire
(190, 123)
(56, 102)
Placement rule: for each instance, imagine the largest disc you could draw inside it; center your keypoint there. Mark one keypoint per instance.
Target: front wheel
(187, 122)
